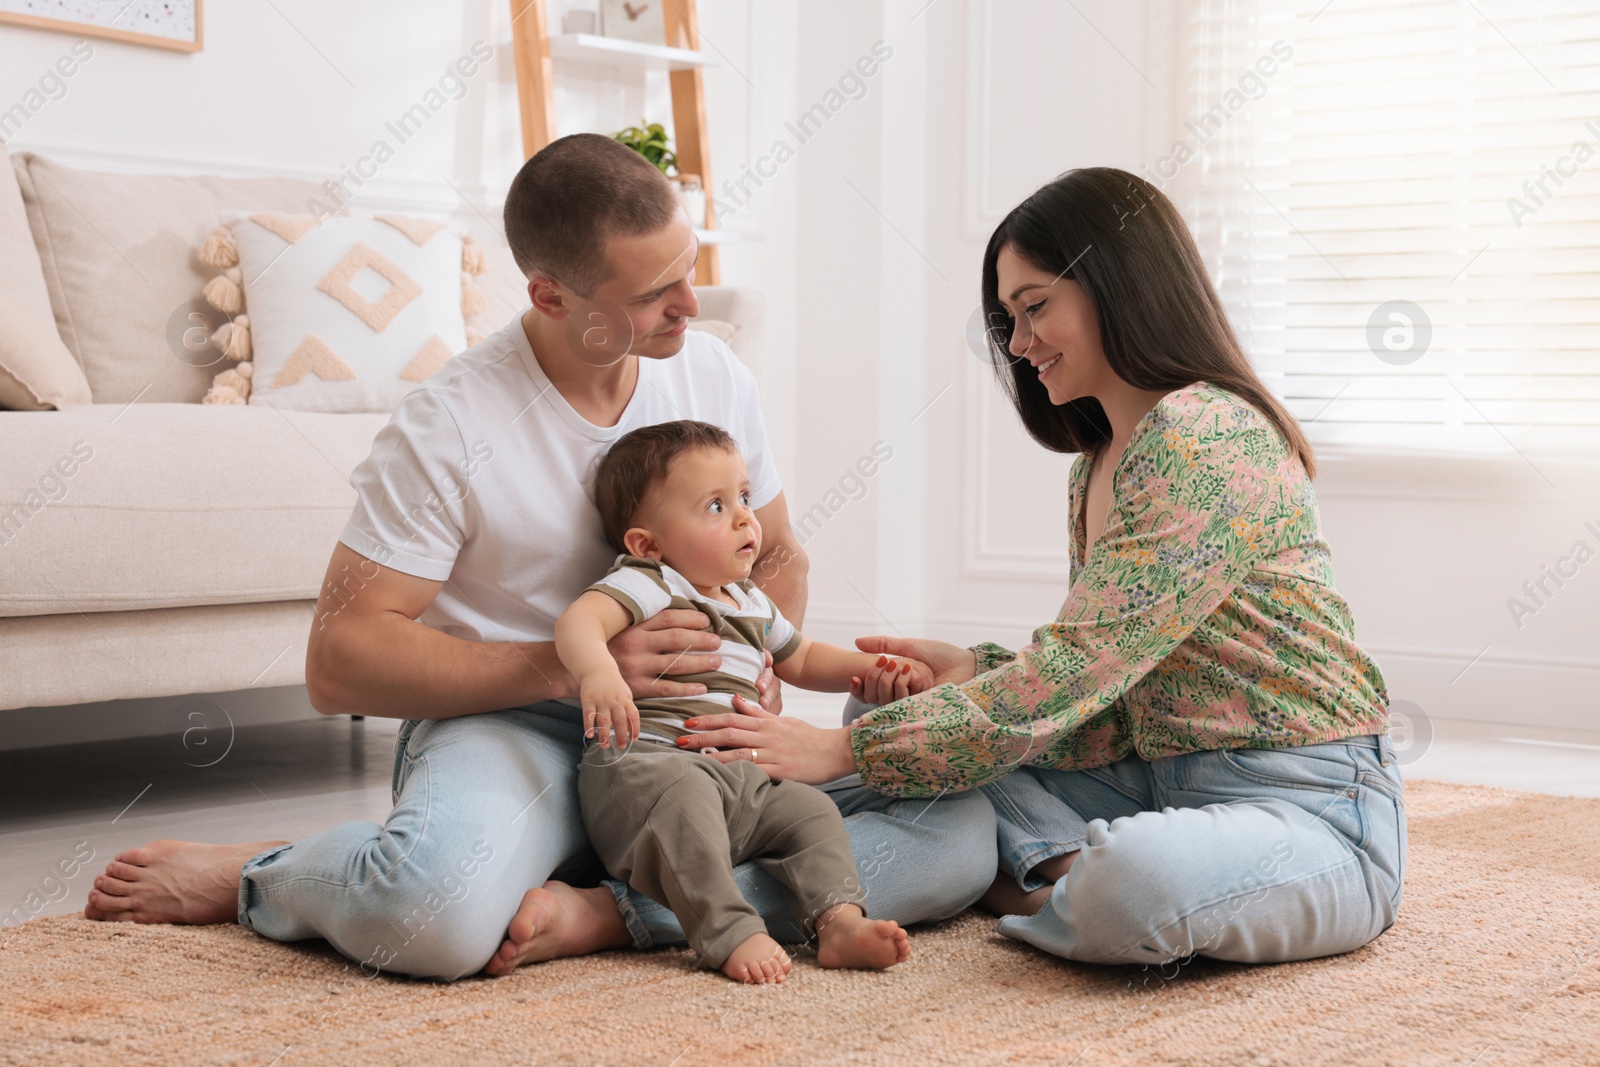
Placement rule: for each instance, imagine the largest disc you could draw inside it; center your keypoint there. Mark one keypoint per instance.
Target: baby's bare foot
(847, 938)
(172, 882)
(758, 960)
(557, 920)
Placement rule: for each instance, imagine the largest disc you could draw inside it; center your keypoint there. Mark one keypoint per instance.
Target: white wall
(1431, 551)
(963, 533)
(302, 92)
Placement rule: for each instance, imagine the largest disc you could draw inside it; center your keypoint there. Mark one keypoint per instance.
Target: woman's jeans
(1250, 855)
(486, 808)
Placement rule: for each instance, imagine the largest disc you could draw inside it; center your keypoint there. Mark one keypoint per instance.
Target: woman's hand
(784, 748)
(889, 680)
(949, 663)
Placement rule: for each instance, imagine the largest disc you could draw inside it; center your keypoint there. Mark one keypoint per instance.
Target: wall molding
(1464, 656)
(978, 218)
(1476, 478)
(1525, 690)
(979, 558)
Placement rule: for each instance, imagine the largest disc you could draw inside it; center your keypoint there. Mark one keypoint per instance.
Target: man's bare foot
(1005, 897)
(758, 960)
(847, 938)
(172, 882)
(557, 920)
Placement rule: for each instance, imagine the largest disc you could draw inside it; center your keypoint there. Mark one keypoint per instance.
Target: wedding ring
(755, 755)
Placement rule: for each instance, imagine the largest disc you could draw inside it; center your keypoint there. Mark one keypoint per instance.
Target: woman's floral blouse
(1206, 617)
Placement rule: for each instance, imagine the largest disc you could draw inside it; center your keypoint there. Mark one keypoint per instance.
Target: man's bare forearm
(390, 666)
(781, 574)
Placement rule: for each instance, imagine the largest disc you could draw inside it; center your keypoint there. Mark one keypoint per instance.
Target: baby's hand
(919, 677)
(889, 680)
(608, 707)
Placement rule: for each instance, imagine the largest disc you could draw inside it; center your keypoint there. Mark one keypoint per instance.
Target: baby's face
(701, 520)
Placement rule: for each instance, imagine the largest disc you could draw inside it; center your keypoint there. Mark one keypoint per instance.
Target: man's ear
(639, 542)
(553, 299)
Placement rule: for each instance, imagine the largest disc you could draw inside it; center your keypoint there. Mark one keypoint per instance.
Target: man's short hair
(571, 196)
(641, 459)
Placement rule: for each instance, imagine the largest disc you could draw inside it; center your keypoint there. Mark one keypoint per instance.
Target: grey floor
(292, 779)
(280, 781)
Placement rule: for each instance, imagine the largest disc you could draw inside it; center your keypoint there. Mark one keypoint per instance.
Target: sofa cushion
(505, 289)
(36, 370)
(21, 277)
(354, 313)
(125, 507)
(118, 258)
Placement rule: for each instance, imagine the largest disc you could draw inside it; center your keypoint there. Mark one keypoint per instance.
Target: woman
(1193, 758)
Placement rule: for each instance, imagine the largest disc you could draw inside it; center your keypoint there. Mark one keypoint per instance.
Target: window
(1399, 201)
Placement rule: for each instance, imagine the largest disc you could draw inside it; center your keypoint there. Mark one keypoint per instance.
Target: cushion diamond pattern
(375, 313)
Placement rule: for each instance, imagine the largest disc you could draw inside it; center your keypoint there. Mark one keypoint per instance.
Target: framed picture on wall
(643, 21)
(174, 24)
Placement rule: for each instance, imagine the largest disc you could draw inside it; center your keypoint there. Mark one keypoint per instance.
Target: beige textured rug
(1495, 960)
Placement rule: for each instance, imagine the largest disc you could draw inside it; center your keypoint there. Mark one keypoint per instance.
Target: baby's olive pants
(672, 824)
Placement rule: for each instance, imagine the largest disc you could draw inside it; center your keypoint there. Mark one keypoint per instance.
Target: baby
(675, 500)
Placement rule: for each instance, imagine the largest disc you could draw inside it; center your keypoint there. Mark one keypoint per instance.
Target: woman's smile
(1045, 367)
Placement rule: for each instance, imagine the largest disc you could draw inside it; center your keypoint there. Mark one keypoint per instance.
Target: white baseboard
(1544, 692)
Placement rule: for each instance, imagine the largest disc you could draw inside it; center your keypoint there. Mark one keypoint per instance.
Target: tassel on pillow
(473, 261)
(225, 292)
(219, 252)
(472, 298)
(233, 339)
(232, 386)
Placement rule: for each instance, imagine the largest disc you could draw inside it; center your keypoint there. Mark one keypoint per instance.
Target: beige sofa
(151, 545)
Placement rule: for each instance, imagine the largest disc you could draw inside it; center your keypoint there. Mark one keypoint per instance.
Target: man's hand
(668, 643)
(608, 707)
(769, 687)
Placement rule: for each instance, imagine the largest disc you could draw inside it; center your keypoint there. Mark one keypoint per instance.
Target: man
(473, 530)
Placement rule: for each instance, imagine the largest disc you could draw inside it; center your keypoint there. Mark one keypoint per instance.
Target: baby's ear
(638, 542)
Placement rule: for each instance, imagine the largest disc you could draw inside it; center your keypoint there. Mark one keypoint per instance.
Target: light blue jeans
(1249, 855)
(486, 807)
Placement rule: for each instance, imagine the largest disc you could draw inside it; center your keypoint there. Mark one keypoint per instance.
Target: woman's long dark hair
(1161, 323)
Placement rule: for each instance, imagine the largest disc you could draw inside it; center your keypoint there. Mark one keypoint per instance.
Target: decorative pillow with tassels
(346, 315)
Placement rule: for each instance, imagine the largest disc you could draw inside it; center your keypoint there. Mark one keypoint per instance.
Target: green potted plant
(649, 139)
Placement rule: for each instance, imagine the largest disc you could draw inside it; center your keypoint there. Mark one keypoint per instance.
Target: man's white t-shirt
(484, 479)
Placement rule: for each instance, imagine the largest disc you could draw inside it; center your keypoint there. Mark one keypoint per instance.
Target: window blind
(1403, 217)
